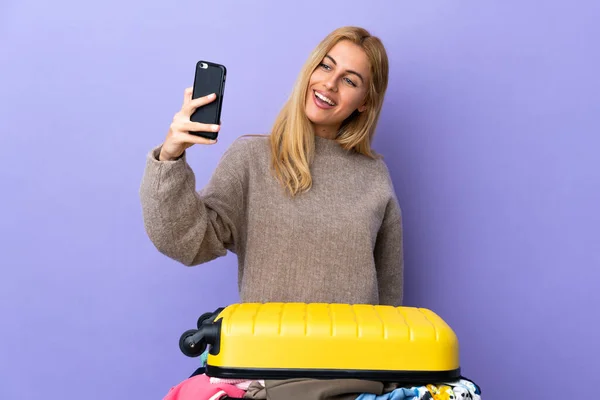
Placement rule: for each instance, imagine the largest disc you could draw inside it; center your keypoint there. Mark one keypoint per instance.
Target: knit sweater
(340, 242)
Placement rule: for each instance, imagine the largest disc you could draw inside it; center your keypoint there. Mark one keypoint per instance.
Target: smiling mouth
(324, 98)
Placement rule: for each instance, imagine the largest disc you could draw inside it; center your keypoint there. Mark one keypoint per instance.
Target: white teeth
(325, 99)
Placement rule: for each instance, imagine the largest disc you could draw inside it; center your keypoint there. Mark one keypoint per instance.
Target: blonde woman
(309, 210)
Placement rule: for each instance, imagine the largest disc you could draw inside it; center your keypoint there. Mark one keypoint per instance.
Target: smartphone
(209, 78)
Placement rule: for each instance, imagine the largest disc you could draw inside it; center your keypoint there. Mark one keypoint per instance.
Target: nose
(330, 84)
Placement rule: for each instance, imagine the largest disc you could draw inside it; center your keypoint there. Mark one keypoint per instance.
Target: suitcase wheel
(192, 346)
(204, 317)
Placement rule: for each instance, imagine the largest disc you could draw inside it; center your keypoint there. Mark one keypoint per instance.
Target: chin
(315, 118)
(318, 116)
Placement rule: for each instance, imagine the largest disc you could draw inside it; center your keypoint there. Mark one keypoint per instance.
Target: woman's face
(337, 87)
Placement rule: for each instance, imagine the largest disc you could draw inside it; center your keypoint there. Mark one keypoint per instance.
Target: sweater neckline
(327, 145)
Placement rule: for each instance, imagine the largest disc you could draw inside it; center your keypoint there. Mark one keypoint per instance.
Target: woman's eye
(350, 81)
(324, 66)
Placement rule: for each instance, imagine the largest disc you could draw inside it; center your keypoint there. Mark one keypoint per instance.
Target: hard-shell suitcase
(298, 340)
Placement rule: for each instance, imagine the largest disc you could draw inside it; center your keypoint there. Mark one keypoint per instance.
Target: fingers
(187, 95)
(191, 105)
(197, 127)
(179, 133)
(189, 138)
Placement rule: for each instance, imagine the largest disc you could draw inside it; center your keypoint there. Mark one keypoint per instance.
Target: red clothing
(199, 388)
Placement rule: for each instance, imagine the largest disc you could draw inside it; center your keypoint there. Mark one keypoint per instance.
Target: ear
(363, 106)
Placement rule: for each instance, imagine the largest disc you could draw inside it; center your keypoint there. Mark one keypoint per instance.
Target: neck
(326, 132)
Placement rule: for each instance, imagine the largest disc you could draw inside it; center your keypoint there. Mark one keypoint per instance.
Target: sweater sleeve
(190, 226)
(389, 256)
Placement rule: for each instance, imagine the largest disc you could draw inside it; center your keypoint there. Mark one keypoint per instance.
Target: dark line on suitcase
(386, 376)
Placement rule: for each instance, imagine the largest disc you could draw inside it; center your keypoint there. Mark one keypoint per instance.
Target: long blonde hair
(292, 136)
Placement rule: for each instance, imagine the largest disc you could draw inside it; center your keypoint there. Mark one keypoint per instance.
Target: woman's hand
(178, 138)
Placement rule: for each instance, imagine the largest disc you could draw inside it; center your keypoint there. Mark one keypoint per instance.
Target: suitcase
(321, 341)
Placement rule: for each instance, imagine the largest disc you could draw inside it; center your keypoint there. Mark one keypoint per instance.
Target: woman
(309, 210)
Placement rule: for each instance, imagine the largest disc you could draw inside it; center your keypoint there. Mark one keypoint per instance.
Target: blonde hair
(292, 135)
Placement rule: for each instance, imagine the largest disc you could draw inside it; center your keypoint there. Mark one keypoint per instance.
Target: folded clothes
(320, 389)
(355, 389)
(243, 384)
(396, 394)
(198, 387)
(256, 391)
(205, 388)
(461, 389)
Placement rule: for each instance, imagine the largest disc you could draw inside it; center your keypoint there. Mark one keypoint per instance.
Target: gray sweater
(340, 242)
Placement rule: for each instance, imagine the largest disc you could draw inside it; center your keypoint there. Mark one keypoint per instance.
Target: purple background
(490, 127)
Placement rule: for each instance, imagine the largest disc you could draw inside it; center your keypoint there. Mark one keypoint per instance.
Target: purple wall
(491, 130)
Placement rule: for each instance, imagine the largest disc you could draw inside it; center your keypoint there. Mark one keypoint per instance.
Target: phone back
(209, 78)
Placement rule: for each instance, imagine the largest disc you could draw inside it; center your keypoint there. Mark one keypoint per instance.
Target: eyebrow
(349, 70)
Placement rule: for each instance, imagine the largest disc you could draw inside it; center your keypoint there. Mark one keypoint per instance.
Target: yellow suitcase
(298, 340)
